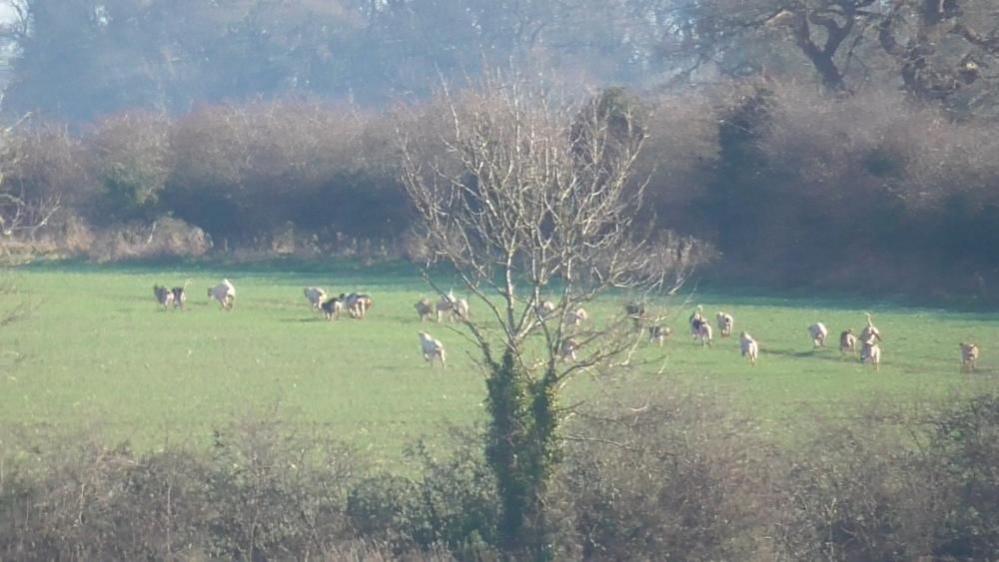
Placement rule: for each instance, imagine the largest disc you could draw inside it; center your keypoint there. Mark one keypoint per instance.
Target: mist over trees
(80, 59)
(832, 143)
(76, 60)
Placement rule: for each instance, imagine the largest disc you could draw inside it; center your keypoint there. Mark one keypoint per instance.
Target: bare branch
(521, 195)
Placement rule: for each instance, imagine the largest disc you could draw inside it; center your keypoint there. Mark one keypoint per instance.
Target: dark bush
(963, 458)
(871, 192)
(47, 162)
(453, 503)
(459, 495)
(276, 494)
(887, 486)
(165, 238)
(244, 173)
(132, 158)
(676, 480)
(264, 493)
(88, 502)
(388, 508)
(851, 495)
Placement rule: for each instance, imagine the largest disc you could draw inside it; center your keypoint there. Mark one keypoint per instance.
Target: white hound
(316, 297)
(224, 293)
(432, 349)
(750, 347)
(819, 333)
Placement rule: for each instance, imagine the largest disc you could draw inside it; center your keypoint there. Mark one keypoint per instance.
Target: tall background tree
(531, 199)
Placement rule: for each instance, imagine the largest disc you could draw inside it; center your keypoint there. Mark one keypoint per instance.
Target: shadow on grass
(388, 272)
(305, 320)
(821, 354)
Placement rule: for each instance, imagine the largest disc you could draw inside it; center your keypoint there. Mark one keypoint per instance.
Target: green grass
(96, 347)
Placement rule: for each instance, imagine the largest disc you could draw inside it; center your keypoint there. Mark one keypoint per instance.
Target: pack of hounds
(451, 308)
(867, 342)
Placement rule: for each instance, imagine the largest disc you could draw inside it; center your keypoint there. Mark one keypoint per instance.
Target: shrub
(849, 495)
(387, 508)
(47, 162)
(77, 499)
(459, 494)
(673, 481)
(677, 478)
(962, 466)
(165, 238)
(275, 493)
(881, 485)
(263, 492)
(245, 172)
(132, 159)
(452, 503)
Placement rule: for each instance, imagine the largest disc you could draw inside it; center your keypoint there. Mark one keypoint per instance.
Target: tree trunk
(521, 450)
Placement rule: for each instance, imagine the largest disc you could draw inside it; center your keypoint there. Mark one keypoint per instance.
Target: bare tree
(942, 50)
(529, 198)
(21, 216)
(16, 214)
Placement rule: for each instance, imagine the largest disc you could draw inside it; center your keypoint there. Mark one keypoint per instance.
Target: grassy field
(96, 349)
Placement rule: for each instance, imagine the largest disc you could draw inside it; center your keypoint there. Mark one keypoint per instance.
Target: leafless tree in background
(21, 216)
(17, 214)
(528, 198)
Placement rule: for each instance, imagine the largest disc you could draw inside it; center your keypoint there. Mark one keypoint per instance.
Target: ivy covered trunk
(522, 450)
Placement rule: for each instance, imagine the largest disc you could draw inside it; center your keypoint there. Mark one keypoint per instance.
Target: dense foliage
(872, 193)
(679, 478)
(838, 143)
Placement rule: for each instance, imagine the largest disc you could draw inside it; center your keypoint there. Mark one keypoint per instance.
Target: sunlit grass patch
(97, 346)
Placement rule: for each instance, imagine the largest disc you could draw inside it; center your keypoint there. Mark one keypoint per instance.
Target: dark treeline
(682, 479)
(228, 177)
(873, 192)
(832, 143)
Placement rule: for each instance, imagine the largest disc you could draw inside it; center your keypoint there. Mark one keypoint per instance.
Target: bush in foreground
(679, 478)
